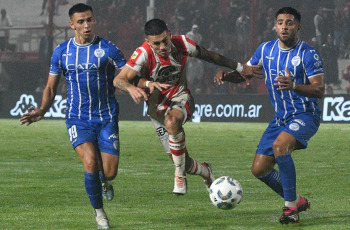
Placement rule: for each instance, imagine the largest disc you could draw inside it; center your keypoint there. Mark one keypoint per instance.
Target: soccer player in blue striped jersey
(294, 78)
(88, 63)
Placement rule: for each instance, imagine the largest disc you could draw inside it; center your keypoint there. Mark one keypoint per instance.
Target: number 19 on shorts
(72, 131)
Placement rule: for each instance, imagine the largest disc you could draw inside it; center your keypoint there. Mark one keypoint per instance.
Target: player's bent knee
(278, 148)
(110, 175)
(90, 165)
(171, 121)
(259, 171)
(256, 172)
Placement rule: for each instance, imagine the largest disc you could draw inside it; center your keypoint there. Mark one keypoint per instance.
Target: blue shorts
(104, 134)
(302, 127)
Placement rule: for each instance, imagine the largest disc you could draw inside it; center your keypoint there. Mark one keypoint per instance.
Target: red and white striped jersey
(164, 70)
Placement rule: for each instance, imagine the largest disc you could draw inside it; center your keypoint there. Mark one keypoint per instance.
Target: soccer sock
(100, 212)
(93, 188)
(273, 180)
(198, 169)
(102, 177)
(178, 148)
(288, 177)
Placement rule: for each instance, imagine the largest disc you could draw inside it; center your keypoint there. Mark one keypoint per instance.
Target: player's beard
(290, 40)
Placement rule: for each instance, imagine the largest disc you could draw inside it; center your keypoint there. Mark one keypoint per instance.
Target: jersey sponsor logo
(134, 55)
(270, 58)
(274, 72)
(167, 74)
(336, 109)
(296, 60)
(294, 127)
(86, 67)
(99, 53)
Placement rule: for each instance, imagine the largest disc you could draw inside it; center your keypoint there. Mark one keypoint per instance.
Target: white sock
(178, 148)
(292, 204)
(100, 212)
(198, 169)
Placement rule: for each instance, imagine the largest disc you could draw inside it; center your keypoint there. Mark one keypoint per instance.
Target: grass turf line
(42, 185)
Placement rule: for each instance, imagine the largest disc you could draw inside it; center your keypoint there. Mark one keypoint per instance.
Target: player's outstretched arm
(123, 81)
(245, 71)
(49, 93)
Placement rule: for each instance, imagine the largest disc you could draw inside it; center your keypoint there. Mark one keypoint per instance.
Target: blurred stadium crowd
(233, 28)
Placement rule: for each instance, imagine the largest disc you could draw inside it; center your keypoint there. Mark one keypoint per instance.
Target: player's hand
(284, 82)
(233, 77)
(137, 94)
(35, 114)
(252, 71)
(218, 79)
(157, 85)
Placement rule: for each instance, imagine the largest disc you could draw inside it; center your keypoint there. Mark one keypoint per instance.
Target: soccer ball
(225, 192)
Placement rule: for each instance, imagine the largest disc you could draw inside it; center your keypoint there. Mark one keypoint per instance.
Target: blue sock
(273, 180)
(93, 188)
(288, 176)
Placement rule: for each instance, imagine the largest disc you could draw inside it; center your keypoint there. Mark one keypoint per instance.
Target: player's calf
(208, 179)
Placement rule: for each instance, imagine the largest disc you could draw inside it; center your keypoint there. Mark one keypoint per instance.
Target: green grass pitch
(42, 184)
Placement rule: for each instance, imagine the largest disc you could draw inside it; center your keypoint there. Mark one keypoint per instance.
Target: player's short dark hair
(289, 10)
(155, 27)
(79, 8)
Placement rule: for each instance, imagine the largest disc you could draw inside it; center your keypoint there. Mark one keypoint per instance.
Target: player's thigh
(108, 138)
(285, 143)
(268, 138)
(80, 132)
(88, 154)
(182, 103)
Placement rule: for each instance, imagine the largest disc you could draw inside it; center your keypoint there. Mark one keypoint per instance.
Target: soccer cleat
(290, 215)
(102, 222)
(180, 186)
(303, 204)
(107, 190)
(208, 181)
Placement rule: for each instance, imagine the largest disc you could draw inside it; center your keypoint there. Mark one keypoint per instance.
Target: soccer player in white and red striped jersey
(160, 61)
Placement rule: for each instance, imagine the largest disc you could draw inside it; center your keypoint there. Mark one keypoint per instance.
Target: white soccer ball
(225, 192)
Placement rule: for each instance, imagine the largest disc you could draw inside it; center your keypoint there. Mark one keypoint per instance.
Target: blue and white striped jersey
(89, 70)
(303, 63)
